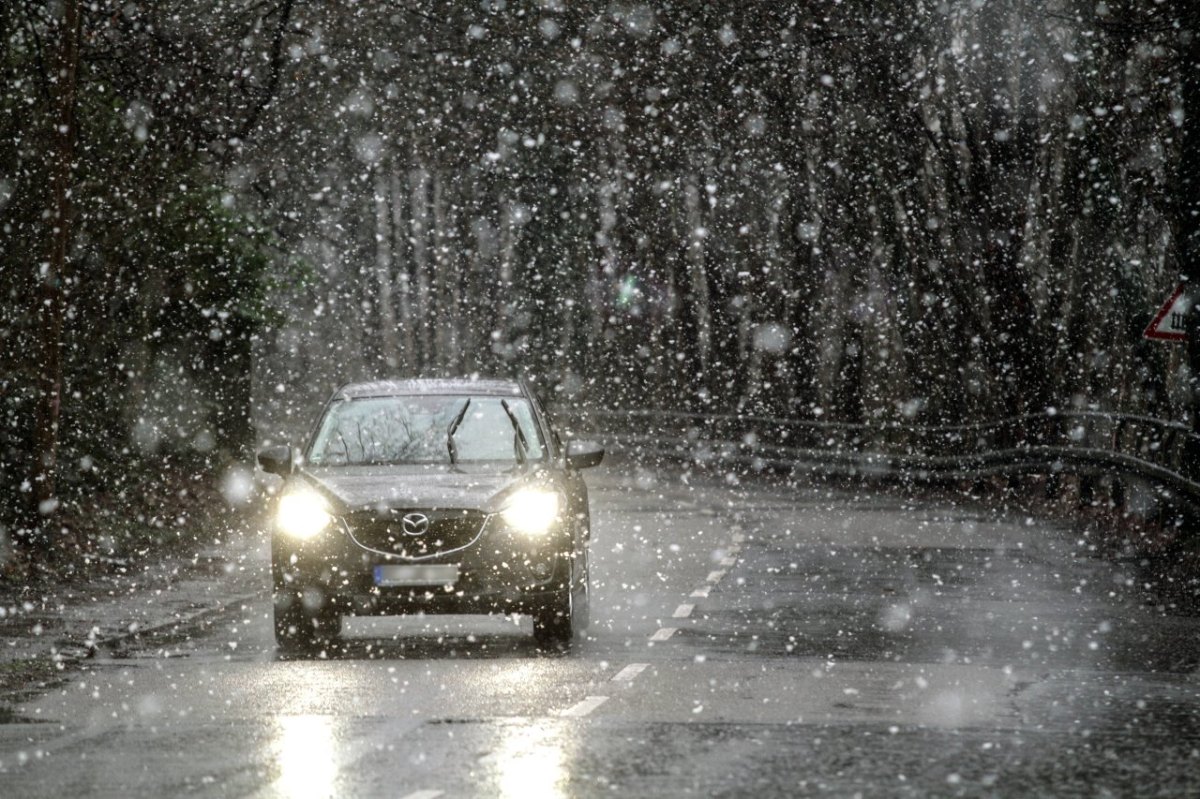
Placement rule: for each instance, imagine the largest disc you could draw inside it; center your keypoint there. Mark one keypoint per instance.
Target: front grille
(449, 530)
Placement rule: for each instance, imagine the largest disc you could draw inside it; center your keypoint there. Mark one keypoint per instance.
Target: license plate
(429, 574)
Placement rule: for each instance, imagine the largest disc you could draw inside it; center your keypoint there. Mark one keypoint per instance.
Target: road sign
(1169, 322)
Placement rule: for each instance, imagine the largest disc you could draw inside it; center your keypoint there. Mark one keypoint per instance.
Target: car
(430, 496)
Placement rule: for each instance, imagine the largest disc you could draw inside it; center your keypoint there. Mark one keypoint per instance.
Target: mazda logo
(415, 523)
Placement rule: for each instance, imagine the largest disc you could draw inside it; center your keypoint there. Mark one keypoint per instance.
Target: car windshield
(416, 429)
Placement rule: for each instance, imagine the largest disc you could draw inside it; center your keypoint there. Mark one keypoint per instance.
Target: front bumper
(499, 570)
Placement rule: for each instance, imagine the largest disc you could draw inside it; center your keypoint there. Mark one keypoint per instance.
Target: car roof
(430, 386)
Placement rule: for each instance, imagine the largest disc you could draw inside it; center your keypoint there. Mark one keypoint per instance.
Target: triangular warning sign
(1169, 322)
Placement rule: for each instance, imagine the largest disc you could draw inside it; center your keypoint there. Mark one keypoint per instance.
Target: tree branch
(285, 15)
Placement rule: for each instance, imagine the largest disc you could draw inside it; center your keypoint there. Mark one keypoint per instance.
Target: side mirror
(584, 454)
(277, 460)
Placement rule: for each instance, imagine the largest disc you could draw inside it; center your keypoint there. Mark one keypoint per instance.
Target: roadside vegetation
(863, 212)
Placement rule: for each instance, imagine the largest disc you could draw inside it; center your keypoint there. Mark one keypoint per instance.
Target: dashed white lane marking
(663, 634)
(715, 577)
(585, 707)
(702, 592)
(423, 795)
(728, 562)
(683, 611)
(629, 672)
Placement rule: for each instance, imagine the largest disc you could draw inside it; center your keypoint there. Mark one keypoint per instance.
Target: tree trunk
(51, 293)
(230, 362)
(389, 345)
(423, 301)
(1188, 210)
(446, 318)
(401, 253)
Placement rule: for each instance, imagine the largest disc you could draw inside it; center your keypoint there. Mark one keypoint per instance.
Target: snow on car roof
(386, 388)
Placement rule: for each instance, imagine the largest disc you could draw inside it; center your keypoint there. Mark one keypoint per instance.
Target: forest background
(211, 213)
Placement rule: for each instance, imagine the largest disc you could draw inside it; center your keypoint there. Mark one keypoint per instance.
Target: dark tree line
(125, 271)
(860, 211)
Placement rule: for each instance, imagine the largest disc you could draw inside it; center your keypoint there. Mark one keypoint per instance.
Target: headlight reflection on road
(531, 762)
(305, 757)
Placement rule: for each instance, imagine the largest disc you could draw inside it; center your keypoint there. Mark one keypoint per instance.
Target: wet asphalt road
(747, 640)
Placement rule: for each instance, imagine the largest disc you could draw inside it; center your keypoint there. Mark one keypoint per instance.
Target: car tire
(564, 615)
(297, 628)
(581, 595)
(553, 621)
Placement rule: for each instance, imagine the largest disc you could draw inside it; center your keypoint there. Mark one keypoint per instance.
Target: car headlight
(303, 514)
(532, 510)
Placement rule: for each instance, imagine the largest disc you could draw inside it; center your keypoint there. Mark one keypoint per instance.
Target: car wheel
(581, 593)
(552, 622)
(564, 615)
(301, 627)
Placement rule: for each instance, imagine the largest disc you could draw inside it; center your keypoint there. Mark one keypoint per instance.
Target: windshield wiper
(523, 450)
(453, 450)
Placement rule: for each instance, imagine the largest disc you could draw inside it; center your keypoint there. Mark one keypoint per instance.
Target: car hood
(378, 487)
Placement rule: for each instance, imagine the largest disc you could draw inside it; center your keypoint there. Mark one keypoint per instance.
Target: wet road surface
(746, 640)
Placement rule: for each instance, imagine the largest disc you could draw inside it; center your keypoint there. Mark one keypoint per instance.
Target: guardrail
(1086, 442)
